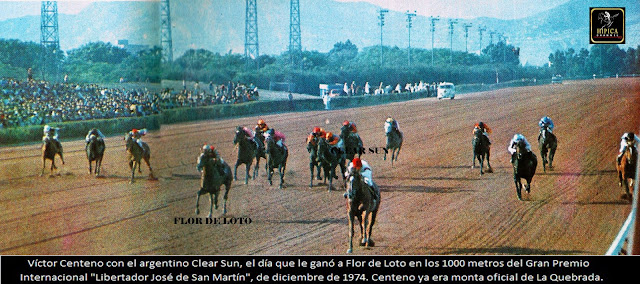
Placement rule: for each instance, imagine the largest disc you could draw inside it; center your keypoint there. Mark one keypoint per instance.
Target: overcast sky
(502, 9)
(466, 9)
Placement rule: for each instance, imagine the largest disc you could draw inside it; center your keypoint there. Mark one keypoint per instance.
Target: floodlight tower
(409, 24)
(480, 30)
(451, 23)
(466, 36)
(49, 37)
(165, 31)
(491, 34)
(251, 48)
(381, 24)
(433, 30)
(295, 36)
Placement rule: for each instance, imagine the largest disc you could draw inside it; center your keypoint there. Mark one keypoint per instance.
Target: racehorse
(394, 141)
(329, 159)
(481, 150)
(363, 202)
(211, 180)
(627, 169)
(276, 157)
(49, 150)
(547, 142)
(352, 142)
(312, 148)
(135, 153)
(524, 167)
(95, 151)
(247, 151)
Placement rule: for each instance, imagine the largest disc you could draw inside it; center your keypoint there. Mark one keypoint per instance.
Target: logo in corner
(606, 25)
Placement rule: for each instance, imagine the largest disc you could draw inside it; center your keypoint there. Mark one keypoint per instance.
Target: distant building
(131, 48)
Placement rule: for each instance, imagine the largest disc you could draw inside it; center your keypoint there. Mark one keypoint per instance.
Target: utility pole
(480, 30)
(433, 30)
(491, 33)
(381, 24)
(49, 37)
(295, 36)
(165, 32)
(251, 47)
(466, 37)
(451, 23)
(409, 24)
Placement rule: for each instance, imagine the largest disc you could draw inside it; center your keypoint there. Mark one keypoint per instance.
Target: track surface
(432, 202)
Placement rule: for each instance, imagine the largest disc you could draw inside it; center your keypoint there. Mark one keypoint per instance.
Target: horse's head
(631, 154)
(239, 135)
(268, 139)
(355, 183)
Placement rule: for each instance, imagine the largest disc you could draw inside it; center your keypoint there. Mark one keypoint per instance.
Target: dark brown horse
(276, 158)
(135, 154)
(362, 203)
(49, 150)
(95, 151)
(212, 178)
(524, 167)
(547, 143)
(312, 148)
(330, 158)
(394, 141)
(627, 170)
(247, 151)
(481, 148)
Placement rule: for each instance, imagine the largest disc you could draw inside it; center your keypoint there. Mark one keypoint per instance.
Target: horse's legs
(543, 153)
(489, 170)
(227, 186)
(255, 169)
(247, 169)
(361, 226)
(198, 200)
(528, 187)
(552, 153)
(481, 160)
(282, 169)
(235, 171)
(44, 164)
(350, 214)
(365, 226)
(211, 200)
(332, 173)
(473, 160)
(61, 157)
(133, 170)
(146, 160)
(98, 166)
(398, 153)
(90, 167)
(311, 167)
(518, 187)
(373, 221)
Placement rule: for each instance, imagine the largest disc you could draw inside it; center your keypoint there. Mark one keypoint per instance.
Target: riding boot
(620, 158)
(513, 157)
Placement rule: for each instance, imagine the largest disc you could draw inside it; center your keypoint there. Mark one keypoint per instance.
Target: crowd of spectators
(31, 102)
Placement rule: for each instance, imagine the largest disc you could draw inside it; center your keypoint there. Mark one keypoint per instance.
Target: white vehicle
(446, 90)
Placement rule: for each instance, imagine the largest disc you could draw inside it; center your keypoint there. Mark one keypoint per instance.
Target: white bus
(446, 90)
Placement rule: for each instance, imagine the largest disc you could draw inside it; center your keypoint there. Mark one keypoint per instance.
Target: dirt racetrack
(432, 201)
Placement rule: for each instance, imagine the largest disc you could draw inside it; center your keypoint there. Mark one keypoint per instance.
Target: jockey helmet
(389, 120)
(629, 136)
(345, 123)
(481, 124)
(316, 130)
(134, 131)
(357, 163)
(205, 148)
(47, 128)
(329, 135)
(261, 122)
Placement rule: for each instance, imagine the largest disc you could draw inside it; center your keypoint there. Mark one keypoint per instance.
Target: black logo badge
(607, 25)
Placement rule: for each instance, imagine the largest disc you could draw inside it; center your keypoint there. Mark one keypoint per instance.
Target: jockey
(481, 126)
(317, 132)
(365, 171)
(211, 152)
(393, 123)
(137, 135)
(350, 125)
(514, 143)
(334, 140)
(546, 121)
(96, 132)
(627, 140)
(277, 136)
(50, 133)
(261, 127)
